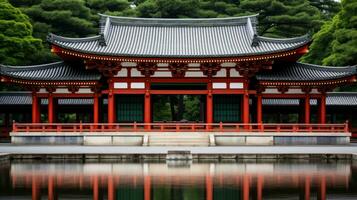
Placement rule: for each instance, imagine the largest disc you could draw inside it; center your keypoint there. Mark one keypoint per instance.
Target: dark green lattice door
(226, 108)
(130, 108)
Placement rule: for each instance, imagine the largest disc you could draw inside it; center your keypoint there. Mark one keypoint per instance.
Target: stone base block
(97, 140)
(128, 141)
(263, 140)
(229, 140)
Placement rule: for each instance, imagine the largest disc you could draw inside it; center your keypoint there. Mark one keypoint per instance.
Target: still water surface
(178, 180)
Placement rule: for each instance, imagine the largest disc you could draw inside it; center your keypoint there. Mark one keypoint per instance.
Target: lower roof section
(58, 71)
(332, 99)
(305, 72)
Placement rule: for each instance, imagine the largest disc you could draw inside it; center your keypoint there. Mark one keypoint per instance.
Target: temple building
(242, 80)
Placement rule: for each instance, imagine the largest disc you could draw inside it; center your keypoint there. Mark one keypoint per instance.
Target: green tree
(328, 8)
(336, 43)
(168, 8)
(17, 45)
(284, 18)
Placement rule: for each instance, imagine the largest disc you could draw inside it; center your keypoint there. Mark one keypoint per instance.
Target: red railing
(177, 127)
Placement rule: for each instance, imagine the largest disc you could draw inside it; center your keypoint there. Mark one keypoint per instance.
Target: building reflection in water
(179, 181)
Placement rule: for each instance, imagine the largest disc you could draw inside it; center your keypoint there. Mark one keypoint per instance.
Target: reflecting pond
(178, 180)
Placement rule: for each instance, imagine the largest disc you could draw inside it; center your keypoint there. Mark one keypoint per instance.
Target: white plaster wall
(121, 85)
(162, 74)
(219, 85)
(194, 74)
(123, 73)
(135, 73)
(221, 73)
(271, 91)
(234, 73)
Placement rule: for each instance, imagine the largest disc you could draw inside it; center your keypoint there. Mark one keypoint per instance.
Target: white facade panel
(236, 85)
(121, 85)
(137, 85)
(135, 73)
(221, 73)
(123, 73)
(271, 91)
(194, 74)
(219, 85)
(234, 73)
(162, 74)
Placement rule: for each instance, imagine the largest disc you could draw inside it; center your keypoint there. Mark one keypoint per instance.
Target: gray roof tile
(58, 71)
(144, 37)
(305, 72)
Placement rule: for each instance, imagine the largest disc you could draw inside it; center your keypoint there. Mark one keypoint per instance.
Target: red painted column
(95, 108)
(35, 108)
(246, 107)
(209, 187)
(322, 109)
(259, 109)
(147, 187)
(147, 109)
(111, 107)
(50, 108)
(246, 103)
(209, 105)
(307, 109)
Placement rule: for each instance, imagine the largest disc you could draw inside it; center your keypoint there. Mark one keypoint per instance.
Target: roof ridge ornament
(101, 40)
(255, 41)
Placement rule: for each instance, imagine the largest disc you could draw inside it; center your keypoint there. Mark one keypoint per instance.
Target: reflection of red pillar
(307, 109)
(51, 188)
(307, 188)
(95, 108)
(111, 188)
(322, 192)
(259, 109)
(95, 188)
(322, 109)
(245, 187)
(147, 187)
(209, 188)
(260, 183)
(50, 108)
(35, 189)
(147, 108)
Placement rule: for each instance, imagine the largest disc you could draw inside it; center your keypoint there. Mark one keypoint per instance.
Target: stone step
(178, 140)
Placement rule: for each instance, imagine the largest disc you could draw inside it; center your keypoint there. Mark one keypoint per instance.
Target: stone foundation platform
(180, 138)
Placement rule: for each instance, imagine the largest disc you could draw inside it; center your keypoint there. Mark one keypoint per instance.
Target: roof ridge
(336, 68)
(31, 67)
(136, 21)
(306, 38)
(52, 37)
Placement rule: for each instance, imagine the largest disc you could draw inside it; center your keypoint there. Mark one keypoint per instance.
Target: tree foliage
(336, 43)
(17, 46)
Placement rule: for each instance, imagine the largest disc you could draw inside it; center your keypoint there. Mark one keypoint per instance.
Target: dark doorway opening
(178, 108)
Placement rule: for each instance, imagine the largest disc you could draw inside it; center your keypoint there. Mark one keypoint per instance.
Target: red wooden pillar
(259, 109)
(147, 109)
(111, 107)
(322, 109)
(50, 108)
(209, 105)
(246, 107)
(95, 108)
(307, 109)
(111, 188)
(209, 187)
(147, 187)
(35, 108)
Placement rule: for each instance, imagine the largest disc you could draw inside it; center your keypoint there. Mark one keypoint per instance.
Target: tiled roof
(332, 99)
(150, 37)
(305, 72)
(58, 71)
